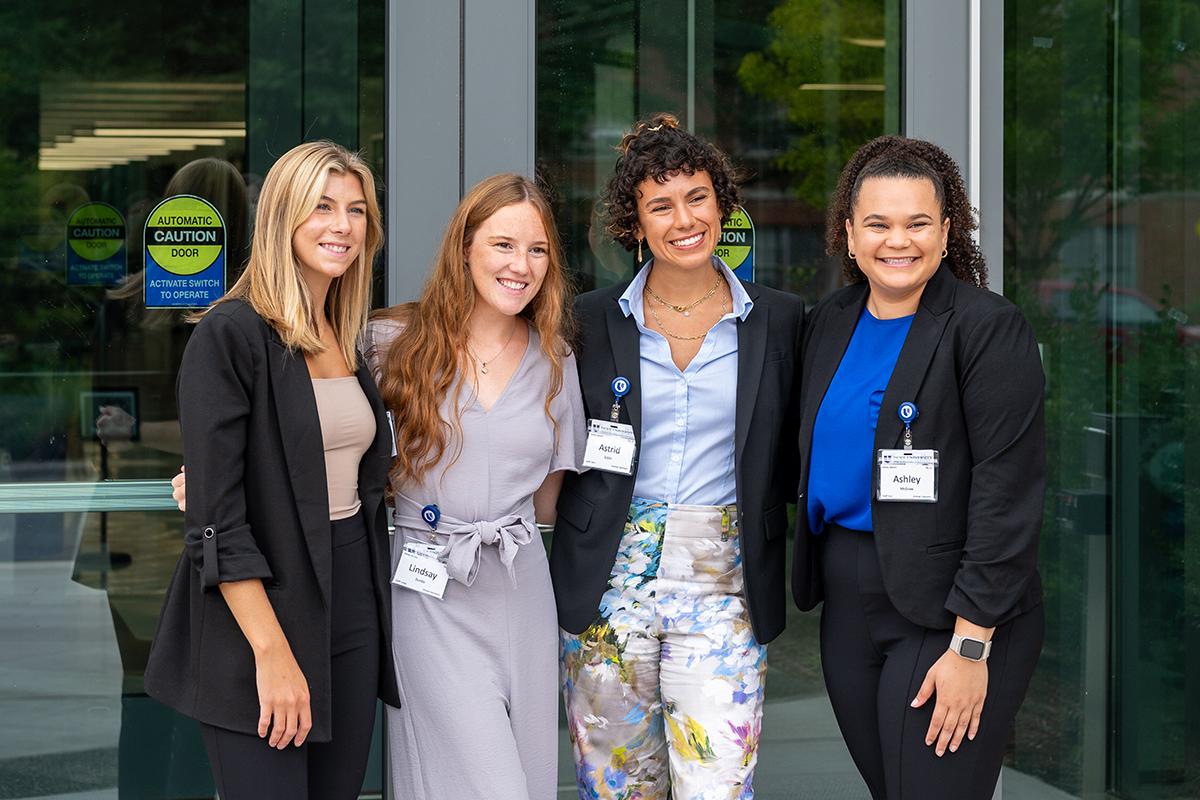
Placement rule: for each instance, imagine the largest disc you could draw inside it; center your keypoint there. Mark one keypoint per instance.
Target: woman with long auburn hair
(422, 366)
(273, 633)
(485, 396)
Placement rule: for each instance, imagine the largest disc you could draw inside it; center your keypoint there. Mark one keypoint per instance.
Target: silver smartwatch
(970, 649)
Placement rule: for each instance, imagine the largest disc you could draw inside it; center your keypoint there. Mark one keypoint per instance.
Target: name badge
(420, 570)
(907, 476)
(610, 447)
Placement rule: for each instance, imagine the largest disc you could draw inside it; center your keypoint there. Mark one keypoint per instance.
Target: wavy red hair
(424, 361)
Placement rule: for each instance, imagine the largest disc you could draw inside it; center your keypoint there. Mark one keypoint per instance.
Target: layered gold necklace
(685, 310)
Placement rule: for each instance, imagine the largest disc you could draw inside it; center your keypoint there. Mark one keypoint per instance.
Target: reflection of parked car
(1122, 312)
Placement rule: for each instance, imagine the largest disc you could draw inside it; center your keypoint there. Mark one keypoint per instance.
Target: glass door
(102, 117)
(1102, 253)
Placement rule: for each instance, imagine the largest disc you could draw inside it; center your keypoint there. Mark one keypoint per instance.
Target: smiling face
(680, 219)
(331, 239)
(508, 258)
(897, 236)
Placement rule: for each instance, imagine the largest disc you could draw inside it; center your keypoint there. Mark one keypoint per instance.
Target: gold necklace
(673, 335)
(685, 310)
(483, 364)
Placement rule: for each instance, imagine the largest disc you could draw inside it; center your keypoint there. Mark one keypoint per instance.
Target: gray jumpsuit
(478, 669)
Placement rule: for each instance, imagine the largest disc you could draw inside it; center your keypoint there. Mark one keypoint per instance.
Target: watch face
(971, 648)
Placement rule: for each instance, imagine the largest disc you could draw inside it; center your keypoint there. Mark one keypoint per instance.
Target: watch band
(970, 649)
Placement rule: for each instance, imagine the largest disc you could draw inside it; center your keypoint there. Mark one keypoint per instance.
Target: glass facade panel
(789, 89)
(1102, 250)
(103, 113)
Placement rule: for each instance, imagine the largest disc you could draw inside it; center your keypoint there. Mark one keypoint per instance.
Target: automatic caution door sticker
(736, 247)
(184, 247)
(95, 246)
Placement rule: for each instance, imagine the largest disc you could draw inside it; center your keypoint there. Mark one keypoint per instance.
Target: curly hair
(656, 147)
(899, 157)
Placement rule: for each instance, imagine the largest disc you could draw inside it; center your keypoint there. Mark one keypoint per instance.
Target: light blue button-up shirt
(686, 450)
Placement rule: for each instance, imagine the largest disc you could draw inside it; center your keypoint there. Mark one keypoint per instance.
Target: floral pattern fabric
(664, 690)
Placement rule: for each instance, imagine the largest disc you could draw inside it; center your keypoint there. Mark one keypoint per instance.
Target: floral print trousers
(664, 691)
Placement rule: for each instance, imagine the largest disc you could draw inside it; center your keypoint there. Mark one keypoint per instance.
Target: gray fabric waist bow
(461, 555)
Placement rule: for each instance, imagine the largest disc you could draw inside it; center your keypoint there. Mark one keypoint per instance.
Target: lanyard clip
(620, 388)
(431, 514)
(908, 415)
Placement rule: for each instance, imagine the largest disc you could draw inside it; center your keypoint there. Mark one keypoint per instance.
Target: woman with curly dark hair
(668, 555)
(923, 452)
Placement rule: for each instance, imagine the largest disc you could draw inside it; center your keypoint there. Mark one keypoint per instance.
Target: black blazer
(971, 365)
(256, 481)
(593, 506)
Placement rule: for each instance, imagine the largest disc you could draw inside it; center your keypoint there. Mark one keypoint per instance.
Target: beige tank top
(347, 429)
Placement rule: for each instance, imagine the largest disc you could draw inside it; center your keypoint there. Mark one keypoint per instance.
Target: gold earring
(945, 252)
(851, 254)
(639, 252)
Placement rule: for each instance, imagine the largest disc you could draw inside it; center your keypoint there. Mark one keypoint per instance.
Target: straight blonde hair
(273, 283)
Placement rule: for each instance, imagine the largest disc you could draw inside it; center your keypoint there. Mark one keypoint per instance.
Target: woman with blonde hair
(273, 633)
(488, 416)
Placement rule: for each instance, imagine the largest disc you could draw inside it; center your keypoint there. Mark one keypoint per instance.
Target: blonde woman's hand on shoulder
(179, 490)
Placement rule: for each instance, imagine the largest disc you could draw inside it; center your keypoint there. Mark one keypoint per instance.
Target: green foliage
(1091, 85)
(822, 42)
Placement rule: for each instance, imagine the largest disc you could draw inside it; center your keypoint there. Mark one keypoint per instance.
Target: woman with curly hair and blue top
(924, 476)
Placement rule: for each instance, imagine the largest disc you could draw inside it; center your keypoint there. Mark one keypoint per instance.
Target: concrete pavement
(60, 699)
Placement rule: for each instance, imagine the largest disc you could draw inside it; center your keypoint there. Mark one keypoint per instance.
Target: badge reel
(392, 427)
(610, 444)
(907, 476)
(420, 568)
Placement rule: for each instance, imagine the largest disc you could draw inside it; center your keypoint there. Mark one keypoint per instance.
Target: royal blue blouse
(843, 443)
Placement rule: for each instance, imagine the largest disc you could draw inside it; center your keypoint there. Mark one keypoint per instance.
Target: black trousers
(875, 660)
(245, 767)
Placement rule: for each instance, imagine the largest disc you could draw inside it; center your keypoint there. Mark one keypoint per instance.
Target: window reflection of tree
(1101, 103)
(825, 67)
